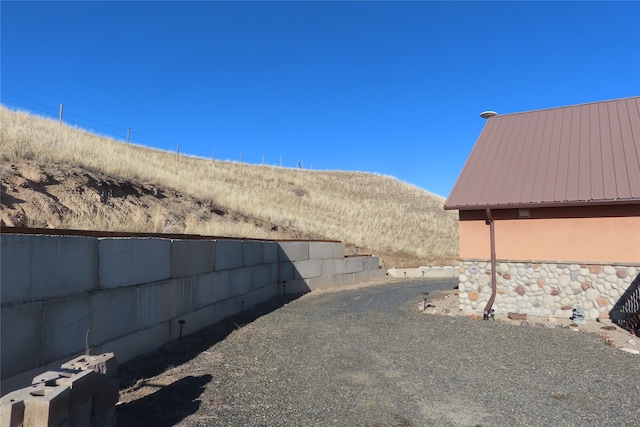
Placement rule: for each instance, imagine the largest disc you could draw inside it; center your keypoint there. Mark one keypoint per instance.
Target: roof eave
(575, 203)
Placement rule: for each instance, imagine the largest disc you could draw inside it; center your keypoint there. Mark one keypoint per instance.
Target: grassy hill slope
(75, 179)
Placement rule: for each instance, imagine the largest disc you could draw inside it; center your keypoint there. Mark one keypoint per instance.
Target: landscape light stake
(181, 322)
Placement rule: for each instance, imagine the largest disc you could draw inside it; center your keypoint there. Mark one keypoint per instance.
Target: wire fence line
(17, 102)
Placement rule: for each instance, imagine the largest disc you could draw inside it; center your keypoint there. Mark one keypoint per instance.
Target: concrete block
(81, 383)
(80, 416)
(371, 263)
(133, 261)
(140, 342)
(113, 314)
(293, 251)
(160, 302)
(295, 287)
(104, 419)
(321, 250)
(204, 290)
(270, 291)
(353, 264)
(274, 272)
(228, 254)
(325, 282)
(348, 279)
(193, 322)
(338, 250)
(307, 269)
(252, 299)
(286, 271)
(362, 277)
(221, 285)
(191, 257)
(241, 280)
(332, 267)
(262, 276)
(212, 287)
(269, 252)
(20, 337)
(24, 379)
(103, 364)
(40, 267)
(106, 396)
(263, 294)
(379, 274)
(228, 307)
(65, 323)
(46, 405)
(251, 253)
(12, 408)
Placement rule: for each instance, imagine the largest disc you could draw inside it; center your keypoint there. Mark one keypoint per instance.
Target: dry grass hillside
(57, 176)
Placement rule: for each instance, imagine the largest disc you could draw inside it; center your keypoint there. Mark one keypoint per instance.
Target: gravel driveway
(367, 357)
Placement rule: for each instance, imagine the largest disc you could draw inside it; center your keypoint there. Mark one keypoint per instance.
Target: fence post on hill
(241, 157)
(128, 135)
(60, 120)
(263, 160)
(178, 151)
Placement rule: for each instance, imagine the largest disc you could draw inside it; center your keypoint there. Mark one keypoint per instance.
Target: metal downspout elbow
(490, 221)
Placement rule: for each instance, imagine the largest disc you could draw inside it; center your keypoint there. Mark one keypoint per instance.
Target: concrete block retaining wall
(544, 288)
(60, 294)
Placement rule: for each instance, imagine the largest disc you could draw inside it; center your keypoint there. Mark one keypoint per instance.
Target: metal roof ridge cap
(568, 106)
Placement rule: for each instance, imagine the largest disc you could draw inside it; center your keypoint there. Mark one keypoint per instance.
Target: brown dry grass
(366, 210)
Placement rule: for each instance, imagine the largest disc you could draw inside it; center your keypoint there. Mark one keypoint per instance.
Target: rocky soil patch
(447, 303)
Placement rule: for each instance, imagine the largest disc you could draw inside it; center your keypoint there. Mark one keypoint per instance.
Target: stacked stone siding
(544, 288)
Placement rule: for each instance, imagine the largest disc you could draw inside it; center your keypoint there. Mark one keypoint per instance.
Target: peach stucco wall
(577, 239)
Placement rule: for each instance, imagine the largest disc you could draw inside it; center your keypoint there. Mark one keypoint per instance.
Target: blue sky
(394, 88)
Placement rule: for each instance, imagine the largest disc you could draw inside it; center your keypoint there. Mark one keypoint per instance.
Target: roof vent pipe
(487, 114)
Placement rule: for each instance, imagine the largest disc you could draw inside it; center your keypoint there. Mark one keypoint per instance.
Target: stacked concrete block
(139, 342)
(83, 392)
(293, 251)
(128, 262)
(43, 267)
(65, 322)
(192, 257)
(132, 295)
(252, 253)
(270, 252)
(192, 322)
(21, 331)
(321, 250)
(104, 325)
(160, 302)
(228, 254)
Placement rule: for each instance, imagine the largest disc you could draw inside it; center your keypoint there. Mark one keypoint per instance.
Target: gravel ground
(367, 357)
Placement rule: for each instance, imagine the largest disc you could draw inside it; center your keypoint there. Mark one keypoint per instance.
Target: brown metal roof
(585, 154)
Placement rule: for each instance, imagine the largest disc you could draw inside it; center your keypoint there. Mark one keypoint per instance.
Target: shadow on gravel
(178, 352)
(166, 407)
(176, 401)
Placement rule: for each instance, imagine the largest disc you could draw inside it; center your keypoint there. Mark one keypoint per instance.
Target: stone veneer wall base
(544, 288)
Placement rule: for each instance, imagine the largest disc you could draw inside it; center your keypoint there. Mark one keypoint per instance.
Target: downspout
(492, 232)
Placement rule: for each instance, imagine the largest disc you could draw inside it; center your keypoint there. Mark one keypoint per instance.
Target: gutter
(490, 222)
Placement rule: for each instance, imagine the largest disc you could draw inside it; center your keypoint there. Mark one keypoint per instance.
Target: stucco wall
(605, 239)
(127, 295)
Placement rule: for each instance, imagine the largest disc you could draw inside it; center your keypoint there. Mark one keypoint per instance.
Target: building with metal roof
(549, 207)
